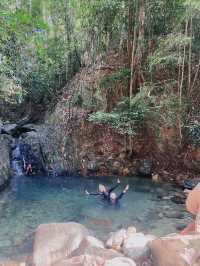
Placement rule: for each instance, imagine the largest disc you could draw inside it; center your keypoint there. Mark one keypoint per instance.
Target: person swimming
(108, 194)
(114, 199)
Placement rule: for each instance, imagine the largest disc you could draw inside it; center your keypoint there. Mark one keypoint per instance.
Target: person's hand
(118, 181)
(87, 193)
(126, 188)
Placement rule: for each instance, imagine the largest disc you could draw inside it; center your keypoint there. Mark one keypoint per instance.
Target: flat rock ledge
(72, 244)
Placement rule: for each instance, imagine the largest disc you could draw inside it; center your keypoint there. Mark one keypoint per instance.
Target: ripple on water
(44, 200)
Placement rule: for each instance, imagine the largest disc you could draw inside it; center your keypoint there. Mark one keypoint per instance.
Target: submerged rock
(174, 214)
(178, 199)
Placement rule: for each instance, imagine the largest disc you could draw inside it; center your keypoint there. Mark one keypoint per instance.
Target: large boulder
(176, 250)
(83, 260)
(88, 260)
(136, 246)
(94, 247)
(56, 241)
(4, 160)
(44, 149)
(120, 262)
(32, 150)
(9, 128)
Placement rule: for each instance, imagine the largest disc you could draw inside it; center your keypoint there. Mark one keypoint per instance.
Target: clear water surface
(32, 201)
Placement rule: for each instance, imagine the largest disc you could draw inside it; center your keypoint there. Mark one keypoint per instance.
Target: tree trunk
(130, 30)
(190, 58)
(181, 84)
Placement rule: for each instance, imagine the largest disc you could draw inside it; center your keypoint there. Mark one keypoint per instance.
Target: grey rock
(4, 160)
(145, 168)
(9, 128)
(136, 247)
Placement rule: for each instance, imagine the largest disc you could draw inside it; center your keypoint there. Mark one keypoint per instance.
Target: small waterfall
(16, 160)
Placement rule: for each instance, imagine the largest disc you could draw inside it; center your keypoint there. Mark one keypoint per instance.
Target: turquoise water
(32, 201)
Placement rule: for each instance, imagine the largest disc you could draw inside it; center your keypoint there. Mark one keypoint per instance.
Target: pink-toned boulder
(92, 242)
(56, 241)
(83, 260)
(176, 250)
(120, 261)
(93, 247)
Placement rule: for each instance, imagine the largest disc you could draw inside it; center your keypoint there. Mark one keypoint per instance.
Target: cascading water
(16, 159)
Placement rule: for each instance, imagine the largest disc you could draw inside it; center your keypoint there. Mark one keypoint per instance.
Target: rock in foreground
(176, 250)
(54, 242)
(70, 244)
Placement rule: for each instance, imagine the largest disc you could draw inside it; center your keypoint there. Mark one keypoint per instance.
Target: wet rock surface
(32, 152)
(4, 160)
(145, 168)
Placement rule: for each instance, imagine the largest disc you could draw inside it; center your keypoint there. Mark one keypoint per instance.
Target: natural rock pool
(32, 201)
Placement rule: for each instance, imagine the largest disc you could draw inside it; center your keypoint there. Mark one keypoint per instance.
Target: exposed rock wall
(72, 144)
(78, 145)
(4, 160)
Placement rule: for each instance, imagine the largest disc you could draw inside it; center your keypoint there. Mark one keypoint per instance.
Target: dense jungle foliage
(43, 43)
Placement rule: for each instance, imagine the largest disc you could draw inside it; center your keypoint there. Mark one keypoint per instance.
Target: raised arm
(123, 192)
(93, 193)
(113, 188)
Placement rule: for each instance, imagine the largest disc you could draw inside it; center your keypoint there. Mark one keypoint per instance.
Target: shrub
(130, 113)
(110, 81)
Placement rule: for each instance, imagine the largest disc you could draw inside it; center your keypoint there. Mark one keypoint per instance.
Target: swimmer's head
(102, 188)
(113, 196)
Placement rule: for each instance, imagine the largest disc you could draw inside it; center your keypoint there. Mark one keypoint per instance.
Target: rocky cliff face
(68, 143)
(76, 145)
(4, 160)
